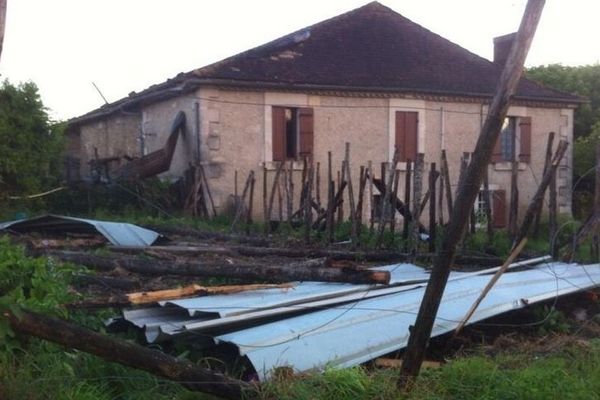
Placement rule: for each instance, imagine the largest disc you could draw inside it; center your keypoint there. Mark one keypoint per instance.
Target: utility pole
(513, 69)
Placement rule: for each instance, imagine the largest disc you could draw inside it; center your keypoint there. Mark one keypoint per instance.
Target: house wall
(235, 135)
(156, 124)
(113, 136)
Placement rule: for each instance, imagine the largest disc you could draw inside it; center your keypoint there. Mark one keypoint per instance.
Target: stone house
(369, 77)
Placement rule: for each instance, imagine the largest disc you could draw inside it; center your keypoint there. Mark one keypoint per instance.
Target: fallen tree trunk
(277, 273)
(148, 297)
(129, 354)
(171, 230)
(270, 251)
(327, 254)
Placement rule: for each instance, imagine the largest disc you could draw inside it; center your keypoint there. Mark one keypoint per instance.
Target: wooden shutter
(306, 131)
(407, 134)
(499, 208)
(525, 141)
(278, 141)
(497, 152)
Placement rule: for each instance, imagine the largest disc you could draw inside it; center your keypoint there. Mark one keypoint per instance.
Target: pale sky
(125, 45)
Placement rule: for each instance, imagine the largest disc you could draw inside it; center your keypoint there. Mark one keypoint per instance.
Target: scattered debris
(117, 233)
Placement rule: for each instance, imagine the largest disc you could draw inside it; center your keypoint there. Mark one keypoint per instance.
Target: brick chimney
(502, 45)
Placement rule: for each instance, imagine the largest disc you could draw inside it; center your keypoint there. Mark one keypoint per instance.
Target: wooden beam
(466, 197)
(129, 354)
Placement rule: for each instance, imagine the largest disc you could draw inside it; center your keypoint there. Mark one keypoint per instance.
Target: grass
(571, 373)
(45, 371)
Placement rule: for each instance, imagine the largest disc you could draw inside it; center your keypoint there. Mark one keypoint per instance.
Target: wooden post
(371, 197)
(238, 212)
(407, 186)
(330, 204)
(440, 198)
(250, 203)
(272, 195)
(361, 193)
(207, 190)
(353, 219)
(447, 182)
(394, 197)
(318, 186)
(386, 197)
(417, 190)
(235, 187)
(420, 333)
(340, 215)
(308, 203)
(291, 192)
(553, 217)
(264, 201)
(513, 214)
(547, 160)
(487, 200)
(432, 218)
(538, 197)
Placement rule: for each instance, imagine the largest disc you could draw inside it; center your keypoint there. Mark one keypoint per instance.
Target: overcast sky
(125, 45)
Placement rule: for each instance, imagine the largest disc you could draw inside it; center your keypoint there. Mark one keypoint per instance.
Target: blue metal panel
(117, 233)
(353, 333)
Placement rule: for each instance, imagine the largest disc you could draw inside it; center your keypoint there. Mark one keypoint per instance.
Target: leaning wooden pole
(129, 354)
(465, 199)
(2, 22)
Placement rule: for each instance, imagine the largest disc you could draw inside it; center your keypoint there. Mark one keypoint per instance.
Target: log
(490, 131)
(275, 273)
(108, 282)
(150, 297)
(129, 354)
(195, 233)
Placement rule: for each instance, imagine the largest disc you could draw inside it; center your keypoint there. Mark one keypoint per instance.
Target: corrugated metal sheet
(357, 332)
(212, 314)
(117, 233)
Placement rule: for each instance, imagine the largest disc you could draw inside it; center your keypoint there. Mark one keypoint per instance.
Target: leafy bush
(37, 284)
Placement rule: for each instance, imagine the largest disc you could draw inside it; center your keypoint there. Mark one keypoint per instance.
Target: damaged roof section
(117, 233)
(313, 325)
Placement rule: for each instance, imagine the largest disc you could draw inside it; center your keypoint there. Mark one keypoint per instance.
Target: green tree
(30, 143)
(583, 81)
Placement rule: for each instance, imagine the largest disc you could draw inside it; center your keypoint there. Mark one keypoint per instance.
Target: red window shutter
(499, 208)
(278, 141)
(306, 127)
(497, 152)
(407, 134)
(525, 142)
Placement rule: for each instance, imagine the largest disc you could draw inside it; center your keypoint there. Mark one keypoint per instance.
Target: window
(508, 138)
(497, 208)
(407, 135)
(292, 133)
(515, 138)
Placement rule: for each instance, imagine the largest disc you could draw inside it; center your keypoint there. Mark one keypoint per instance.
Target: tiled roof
(371, 48)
